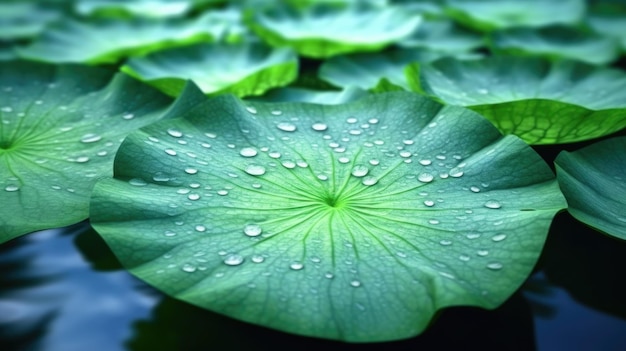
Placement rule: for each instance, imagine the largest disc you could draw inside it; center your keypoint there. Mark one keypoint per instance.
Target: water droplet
(255, 170)
(169, 233)
(90, 138)
(498, 237)
(369, 180)
(288, 164)
(456, 173)
(200, 228)
(329, 275)
(343, 160)
(405, 153)
(464, 258)
(233, 260)
(170, 152)
(360, 171)
(319, 127)
(251, 109)
(351, 120)
(12, 188)
(374, 162)
(222, 192)
(425, 177)
(6, 109)
(445, 242)
(322, 177)
(373, 120)
(193, 197)
(252, 230)
(494, 266)
(493, 204)
(429, 203)
(482, 253)
(274, 154)
(128, 116)
(137, 182)
(248, 152)
(474, 189)
(355, 283)
(257, 259)
(472, 236)
(286, 127)
(191, 170)
(276, 112)
(82, 159)
(296, 266)
(175, 133)
(302, 164)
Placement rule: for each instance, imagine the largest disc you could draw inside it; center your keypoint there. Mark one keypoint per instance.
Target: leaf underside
(354, 222)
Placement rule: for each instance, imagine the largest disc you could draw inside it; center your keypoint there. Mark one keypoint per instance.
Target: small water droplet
(405, 153)
(200, 228)
(286, 127)
(251, 109)
(222, 192)
(82, 159)
(472, 236)
(319, 127)
(373, 120)
(233, 260)
(191, 170)
(464, 258)
(252, 230)
(137, 182)
(445, 242)
(170, 152)
(274, 154)
(302, 164)
(482, 253)
(498, 237)
(494, 266)
(343, 160)
(355, 283)
(296, 266)
(255, 170)
(433, 221)
(188, 268)
(474, 189)
(360, 171)
(257, 259)
(374, 162)
(429, 203)
(11, 188)
(90, 138)
(193, 197)
(493, 204)
(288, 164)
(425, 177)
(329, 275)
(351, 120)
(456, 173)
(169, 233)
(276, 112)
(128, 116)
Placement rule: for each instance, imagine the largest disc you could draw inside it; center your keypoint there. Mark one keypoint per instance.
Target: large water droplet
(425, 177)
(233, 260)
(369, 180)
(90, 138)
(255, 170)
(252, 230)
(248, 152)
(286, 127)
(493, 204)
(319, 127)
(360, 171)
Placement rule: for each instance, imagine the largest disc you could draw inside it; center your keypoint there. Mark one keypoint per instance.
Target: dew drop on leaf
(252, 230)
(493, 204)
(255, 170)
(233, 260)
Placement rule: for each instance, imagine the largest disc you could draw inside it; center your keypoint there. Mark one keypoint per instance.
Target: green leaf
(325, 30)
(60, 128)
(558, 42)
(354, 222)
(488, 15)
(108, 40)
(241, 69)
(594, 183)
(366, 70)
(540, 101)
(442, 35)
(313, 96)
(609, 19)
(25, 19)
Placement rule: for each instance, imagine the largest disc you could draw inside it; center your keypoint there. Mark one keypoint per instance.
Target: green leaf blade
(354, 222)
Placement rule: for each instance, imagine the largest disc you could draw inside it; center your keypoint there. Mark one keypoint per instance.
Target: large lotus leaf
(25, 19)
(540, 101)
(498, 14)
(366, 70)
(354, 222)
(60, 128)
(242, 69)
(593, 180)
(558, 42)
(108, 40)
(442, 35)
(324, 30)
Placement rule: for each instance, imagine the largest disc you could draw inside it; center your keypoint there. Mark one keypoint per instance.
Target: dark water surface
(63, 290)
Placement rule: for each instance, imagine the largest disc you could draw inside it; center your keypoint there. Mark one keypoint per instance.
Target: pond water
(63, 290)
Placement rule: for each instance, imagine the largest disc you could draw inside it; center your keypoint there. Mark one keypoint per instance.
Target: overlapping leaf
(242, 69)
(60, 128)
(354, 222)
(593, 180)
(324, 30)
(540, 101)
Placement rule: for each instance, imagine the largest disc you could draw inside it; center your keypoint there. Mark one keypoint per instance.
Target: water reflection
(82, 309)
